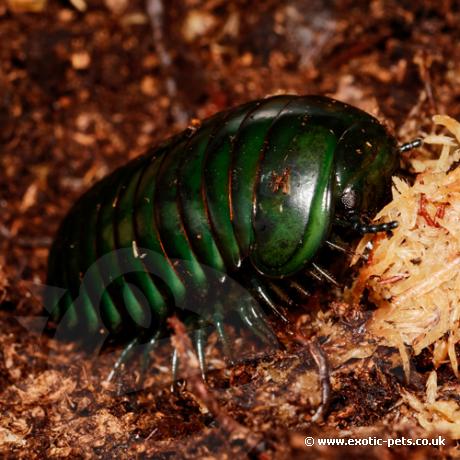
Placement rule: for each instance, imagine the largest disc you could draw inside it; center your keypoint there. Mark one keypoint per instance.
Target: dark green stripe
(147, 233)
(215, 184)
(87, 317)
(92, 280)
(246, 151)
(169, 223)
(192, 204)
(131, 260)
(57, 276)
(110, 268)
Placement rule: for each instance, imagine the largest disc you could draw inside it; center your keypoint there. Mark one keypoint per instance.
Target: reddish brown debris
(281, 181)
(422, 211)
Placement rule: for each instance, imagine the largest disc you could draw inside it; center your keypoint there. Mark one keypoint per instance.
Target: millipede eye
(350, 199)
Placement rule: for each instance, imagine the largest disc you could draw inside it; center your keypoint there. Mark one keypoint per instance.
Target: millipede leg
(245, 317)
(262, 322)
(255, 324)
(324, 274)
(174, 367)
(199, 340)
(281, 293)
(337, 247)
(149, 346)
(220, 328)
(124, 356)
(265, 296)
(218, 319)
(315, 275)
(299, 288)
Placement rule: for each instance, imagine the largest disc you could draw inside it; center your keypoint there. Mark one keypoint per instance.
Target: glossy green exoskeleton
(209, 221)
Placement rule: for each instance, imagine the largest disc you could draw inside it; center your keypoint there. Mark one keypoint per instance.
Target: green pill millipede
(210, 221)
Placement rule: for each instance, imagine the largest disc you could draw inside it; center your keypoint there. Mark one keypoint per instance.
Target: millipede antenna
(407, 146)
